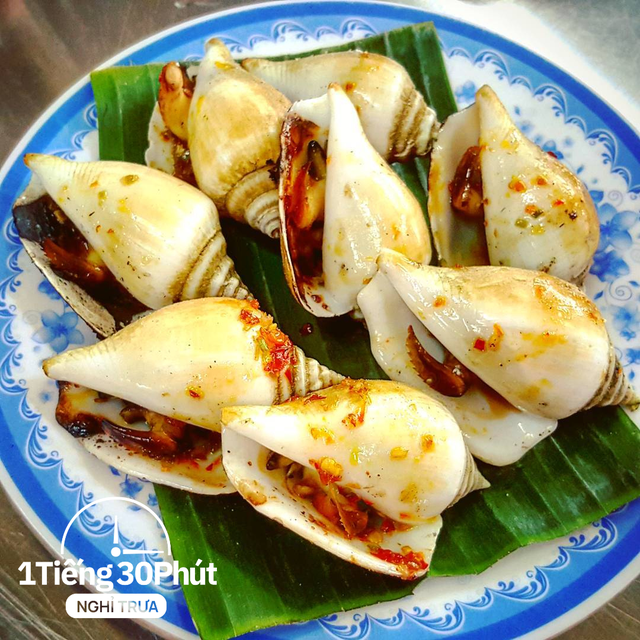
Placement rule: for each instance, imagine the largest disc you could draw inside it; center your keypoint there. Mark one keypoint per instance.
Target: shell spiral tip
(254, 200)
(417, 128)
(473, 480)
(615, 389)
(308, 375)
(233, 287)
(268, 222)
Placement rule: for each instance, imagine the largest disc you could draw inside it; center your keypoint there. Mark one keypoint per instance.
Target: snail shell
(158, 236)
(394, 114)
(215, 356)
(230, 123)
(233, 131)
(403, 454)
(186, 362)
(83, 411)
(494, 430)
(537, 214)
(340, 204)
(536, 340)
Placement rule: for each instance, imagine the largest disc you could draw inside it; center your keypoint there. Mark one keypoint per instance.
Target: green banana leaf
(267, 575)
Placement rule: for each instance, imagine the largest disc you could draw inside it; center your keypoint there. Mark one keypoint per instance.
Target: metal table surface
(48, 44)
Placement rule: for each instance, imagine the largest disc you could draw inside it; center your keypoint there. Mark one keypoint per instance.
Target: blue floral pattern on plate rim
(547, 591)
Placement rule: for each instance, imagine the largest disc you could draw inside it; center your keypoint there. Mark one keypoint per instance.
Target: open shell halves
(99, 425)
(190, 359)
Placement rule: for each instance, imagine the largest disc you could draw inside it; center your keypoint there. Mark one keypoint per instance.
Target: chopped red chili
(249, 318)
(355, 418)
(517, 185)
(480, 344)
(195, 392)
(280, 352)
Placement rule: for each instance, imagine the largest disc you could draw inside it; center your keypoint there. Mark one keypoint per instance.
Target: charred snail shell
(175, 369)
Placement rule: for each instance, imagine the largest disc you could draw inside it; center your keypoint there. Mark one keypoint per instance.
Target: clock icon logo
(118, 549)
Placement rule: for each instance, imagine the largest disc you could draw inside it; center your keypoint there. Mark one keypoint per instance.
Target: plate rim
(566, 620)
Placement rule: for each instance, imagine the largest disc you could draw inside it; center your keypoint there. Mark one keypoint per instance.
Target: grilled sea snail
(497, 198)
(117, 239)
(363, 469)
(495, 431)
(227, 122)
(534, 340)
(170, 373)
(394, 115)
(340, 205)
